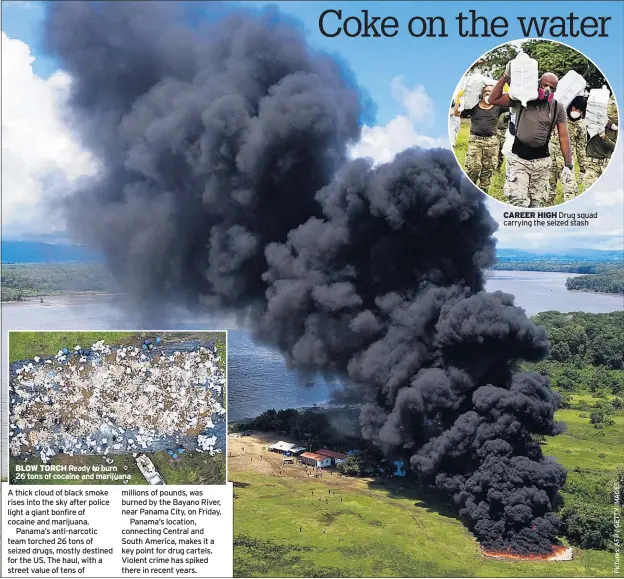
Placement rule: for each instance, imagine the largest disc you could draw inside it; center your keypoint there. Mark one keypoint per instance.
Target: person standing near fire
(482, 154)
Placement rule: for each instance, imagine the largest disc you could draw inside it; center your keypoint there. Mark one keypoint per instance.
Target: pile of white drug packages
(115, 400)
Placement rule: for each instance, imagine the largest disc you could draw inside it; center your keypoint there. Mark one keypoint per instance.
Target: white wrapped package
(487, 81)
(472, 92)
(571, 85)
(596, 115)
(508, 144)
(454, 124)
(524, 78)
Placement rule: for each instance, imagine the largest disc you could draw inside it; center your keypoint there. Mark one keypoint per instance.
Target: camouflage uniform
(595, 166)
(527, 183)
(577, 131)
(612, 113)
(481, 159)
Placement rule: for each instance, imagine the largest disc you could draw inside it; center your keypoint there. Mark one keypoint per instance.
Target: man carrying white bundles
(528, 177)
(482, 153)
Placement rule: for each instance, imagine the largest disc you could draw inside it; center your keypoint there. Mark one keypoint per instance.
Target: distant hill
(40, 252)
(574, 254)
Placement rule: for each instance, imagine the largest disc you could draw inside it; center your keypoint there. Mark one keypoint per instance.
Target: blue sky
(435, 63)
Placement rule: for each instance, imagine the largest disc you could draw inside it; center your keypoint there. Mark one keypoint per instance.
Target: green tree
(600, 418)
(493, 63)
(600, 379)
(569, 379)
(608, 350)
(588, 525)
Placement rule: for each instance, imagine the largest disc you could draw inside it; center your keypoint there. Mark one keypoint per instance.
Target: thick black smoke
(224, 179)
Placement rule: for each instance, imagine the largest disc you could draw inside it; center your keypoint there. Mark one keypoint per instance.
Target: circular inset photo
(533, 123)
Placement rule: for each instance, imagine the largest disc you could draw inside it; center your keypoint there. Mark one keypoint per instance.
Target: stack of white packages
(597, 110)
(524, 78)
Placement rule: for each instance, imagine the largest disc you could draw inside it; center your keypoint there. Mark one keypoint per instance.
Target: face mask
(545, 94)
(575, 115)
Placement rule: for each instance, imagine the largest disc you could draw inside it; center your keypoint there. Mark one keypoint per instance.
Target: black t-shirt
(534, 125)
(483, 122)
(529, 153)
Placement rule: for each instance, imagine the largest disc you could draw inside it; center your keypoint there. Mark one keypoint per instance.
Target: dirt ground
(249, 453)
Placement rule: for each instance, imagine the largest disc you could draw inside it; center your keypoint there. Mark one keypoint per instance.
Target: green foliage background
(551, 57)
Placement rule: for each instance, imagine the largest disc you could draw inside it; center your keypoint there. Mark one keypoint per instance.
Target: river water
(258, 377)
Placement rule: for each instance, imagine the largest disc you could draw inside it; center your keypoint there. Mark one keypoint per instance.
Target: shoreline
(588, 291)
(316, 406)
(30, 299)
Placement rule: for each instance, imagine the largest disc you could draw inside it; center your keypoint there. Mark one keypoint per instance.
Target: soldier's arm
(497, 97)
(564, 142)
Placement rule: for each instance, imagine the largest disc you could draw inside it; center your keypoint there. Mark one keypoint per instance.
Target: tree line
(22, 281)
(610, 281)
(582, 339)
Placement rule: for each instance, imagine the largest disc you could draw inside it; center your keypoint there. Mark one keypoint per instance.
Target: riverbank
(589, 291)
(37, 298)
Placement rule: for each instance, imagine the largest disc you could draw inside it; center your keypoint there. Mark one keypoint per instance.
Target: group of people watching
(547, 140)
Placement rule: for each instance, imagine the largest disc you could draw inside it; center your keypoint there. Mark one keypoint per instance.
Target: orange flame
(556, 551)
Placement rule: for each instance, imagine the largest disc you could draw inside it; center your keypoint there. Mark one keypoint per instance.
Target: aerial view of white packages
(102, 399)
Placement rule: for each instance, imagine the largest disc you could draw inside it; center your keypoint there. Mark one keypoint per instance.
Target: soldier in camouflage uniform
(481, 159)
(528, 178)
(600, 147)
(527, 183)
(612, 112)
(482, 152)
(578, 142)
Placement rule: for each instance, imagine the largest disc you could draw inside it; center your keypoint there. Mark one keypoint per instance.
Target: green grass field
(498, 178)
(27, 345)
(585, 446)
(373, 533)
(189, 468)
(385, 531)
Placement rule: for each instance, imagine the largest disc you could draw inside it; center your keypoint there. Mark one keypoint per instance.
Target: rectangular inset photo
(117, 407)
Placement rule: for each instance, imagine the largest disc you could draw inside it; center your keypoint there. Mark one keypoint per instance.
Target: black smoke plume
(224, 180)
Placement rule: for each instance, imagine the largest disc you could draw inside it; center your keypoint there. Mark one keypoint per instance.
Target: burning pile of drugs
(113, 399)
(558, 553)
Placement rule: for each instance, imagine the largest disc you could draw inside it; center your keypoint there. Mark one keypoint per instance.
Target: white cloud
(419, 105)
(40, 158)
(382, 142)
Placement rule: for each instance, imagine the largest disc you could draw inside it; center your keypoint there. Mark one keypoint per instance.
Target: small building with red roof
(336, 457)
(316, 460)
